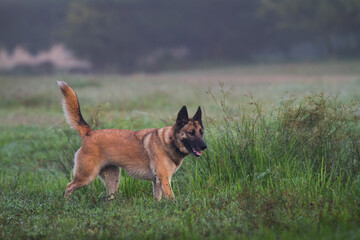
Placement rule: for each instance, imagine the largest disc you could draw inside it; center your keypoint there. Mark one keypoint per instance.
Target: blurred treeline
(128, 34)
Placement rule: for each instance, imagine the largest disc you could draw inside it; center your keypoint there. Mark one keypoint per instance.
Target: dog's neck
(178, 156)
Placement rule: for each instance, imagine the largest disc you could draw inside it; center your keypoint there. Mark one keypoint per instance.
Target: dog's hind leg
(111, 177)
(157, 192)
(85, 171)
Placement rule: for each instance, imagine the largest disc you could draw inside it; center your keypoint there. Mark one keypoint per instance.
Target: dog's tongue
(197, 152)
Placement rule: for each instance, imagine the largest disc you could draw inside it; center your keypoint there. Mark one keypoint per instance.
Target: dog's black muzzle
(195, 146)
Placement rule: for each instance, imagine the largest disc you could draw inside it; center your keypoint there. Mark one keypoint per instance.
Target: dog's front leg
(163, 172)
(166, 187)
(157, 192)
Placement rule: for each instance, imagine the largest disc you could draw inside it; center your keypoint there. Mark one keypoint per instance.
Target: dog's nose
(203, 147)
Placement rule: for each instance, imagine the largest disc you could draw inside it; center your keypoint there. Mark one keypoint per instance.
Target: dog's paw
(111, 197)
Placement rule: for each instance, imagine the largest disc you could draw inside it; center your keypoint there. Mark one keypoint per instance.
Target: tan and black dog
(148, 154)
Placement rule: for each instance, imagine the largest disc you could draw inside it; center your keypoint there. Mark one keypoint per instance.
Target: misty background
(45, 36)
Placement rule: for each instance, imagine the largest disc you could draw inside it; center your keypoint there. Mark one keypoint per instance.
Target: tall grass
(300, 156)
(317, 133)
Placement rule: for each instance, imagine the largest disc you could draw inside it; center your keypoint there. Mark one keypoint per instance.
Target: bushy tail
(71, 109)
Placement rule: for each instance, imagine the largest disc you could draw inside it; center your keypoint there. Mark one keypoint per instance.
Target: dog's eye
(192, 133)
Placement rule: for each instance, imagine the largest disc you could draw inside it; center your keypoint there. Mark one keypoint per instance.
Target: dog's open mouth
(196, 153)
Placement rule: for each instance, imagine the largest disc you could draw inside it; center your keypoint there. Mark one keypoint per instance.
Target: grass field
(282, 162)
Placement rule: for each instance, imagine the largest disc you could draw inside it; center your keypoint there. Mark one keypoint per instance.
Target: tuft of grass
(316, 133)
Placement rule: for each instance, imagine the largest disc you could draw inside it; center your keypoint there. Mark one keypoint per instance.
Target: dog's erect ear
(182, 118)
(197, 116)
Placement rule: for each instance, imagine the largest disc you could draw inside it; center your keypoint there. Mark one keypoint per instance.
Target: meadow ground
(282, 162)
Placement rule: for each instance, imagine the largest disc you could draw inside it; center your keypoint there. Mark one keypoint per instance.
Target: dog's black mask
(191, 131)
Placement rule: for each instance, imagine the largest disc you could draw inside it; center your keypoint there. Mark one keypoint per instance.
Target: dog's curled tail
(72, 111)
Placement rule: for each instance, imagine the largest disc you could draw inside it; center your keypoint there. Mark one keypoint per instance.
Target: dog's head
(188, 132)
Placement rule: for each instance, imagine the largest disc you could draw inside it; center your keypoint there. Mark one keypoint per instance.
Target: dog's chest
(172, 167)
(177, 166)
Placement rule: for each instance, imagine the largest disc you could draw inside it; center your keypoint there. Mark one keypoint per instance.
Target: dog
(148, 154)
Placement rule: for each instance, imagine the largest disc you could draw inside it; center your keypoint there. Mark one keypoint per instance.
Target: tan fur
(149, 154)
